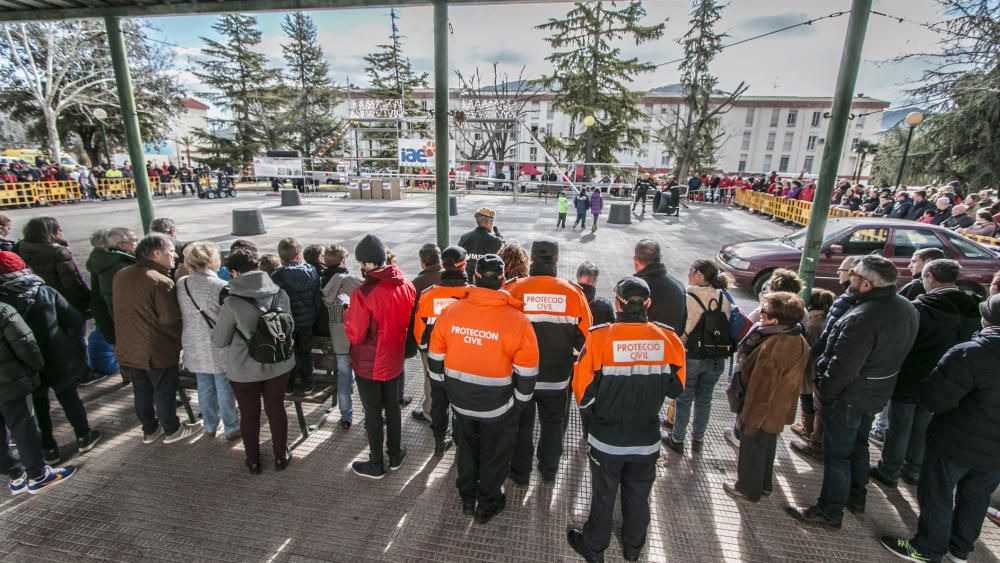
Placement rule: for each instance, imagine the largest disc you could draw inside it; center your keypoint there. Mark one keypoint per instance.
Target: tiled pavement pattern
(196, 502)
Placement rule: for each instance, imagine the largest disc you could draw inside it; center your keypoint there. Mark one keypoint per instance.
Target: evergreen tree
(242, 83)
(693, 140)
(310, 122)
(392, 77)
(590, 77)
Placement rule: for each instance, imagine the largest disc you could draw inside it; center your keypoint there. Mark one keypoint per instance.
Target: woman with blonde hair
(198, 297)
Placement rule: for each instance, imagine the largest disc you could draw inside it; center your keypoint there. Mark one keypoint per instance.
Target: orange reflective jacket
(430, 303)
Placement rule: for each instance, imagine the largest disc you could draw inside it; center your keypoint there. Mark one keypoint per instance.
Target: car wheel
(758, 283)
(974, 289)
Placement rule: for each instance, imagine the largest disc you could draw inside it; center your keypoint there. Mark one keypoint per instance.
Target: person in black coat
(301, 282)
(963, 447)
(669, 305)
(915, 287)
(601, 308)
(948, 316)
(57, 326)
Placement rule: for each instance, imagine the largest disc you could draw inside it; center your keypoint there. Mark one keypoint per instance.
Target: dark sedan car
(752, 262)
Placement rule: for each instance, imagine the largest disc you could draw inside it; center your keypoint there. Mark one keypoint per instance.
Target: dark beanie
(490, 265)
(370, 249)
(544, 249)
(453, 258)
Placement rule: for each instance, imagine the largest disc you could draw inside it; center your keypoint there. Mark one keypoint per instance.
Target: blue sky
(801, 62)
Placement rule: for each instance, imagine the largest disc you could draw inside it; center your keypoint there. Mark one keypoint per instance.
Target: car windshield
(798, 238)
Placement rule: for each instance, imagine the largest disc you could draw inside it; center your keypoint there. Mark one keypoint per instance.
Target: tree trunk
(53, 133)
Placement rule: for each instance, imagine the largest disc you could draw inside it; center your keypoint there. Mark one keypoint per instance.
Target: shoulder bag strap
(702, 305)
(204, 315)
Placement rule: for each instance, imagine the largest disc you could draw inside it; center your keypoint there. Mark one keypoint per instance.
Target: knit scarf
(22, 282)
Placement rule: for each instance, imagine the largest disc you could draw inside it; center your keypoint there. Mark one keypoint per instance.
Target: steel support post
(441, 119)
(906, 151)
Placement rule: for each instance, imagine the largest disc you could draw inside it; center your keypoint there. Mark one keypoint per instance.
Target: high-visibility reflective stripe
(543, 318)
(485, 414)
(435, 376)
(551, 386)
(636, 369)
(623, 450)
(522, 397)
(526, 371)
(430, 320)
(588, 403)
(435, 356)
(478, 379)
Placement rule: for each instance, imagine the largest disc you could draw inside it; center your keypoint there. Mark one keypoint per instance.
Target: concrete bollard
(620, 214)
(290, 198)
(248, 222)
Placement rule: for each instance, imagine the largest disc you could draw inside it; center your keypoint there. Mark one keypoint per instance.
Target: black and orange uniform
(624, 373)
(560, 315)
(483, 351)
(431, 302)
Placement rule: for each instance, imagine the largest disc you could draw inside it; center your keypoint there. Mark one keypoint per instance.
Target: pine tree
(392, 77)
(694, 139)
(591, 78)
(310, 122)
(242, 83)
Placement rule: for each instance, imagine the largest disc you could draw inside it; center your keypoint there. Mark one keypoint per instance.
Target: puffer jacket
(194, 291)
(963, 392)
(238, 314)
(20, 357)
(596, 202)
(340, 283)
(865, 350)
(54, 263)
(948, 316)
(581, 203)
(105, 263)
(377, 321)
(301, 283)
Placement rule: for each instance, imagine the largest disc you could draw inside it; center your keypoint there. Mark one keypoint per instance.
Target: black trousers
(439, 411)
(16, 421)
(72, 406)
(608, 475)
(303, 372)
(551, 407)
(755, 467)
(154, 392)
(381, 403)
(483, 453)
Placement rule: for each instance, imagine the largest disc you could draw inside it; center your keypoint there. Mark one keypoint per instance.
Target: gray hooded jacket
(237, 313)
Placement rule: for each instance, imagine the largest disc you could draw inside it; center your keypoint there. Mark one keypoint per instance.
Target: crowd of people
(503, 341)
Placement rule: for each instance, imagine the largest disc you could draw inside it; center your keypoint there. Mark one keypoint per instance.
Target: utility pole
(847, 76)
(441, 120)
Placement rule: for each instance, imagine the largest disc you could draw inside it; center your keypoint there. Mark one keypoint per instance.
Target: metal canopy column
(441, 119)
(847, 77)
(123, 79)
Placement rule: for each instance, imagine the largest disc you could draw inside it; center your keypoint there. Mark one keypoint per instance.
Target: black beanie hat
(490, 265)
(453, 257)
(631, 287)
(370, 249)
(544, 249)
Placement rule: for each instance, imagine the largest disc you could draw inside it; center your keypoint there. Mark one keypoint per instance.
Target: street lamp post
(101, 115)
(913, 119)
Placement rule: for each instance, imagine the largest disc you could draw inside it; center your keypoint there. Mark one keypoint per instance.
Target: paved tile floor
(194, 502)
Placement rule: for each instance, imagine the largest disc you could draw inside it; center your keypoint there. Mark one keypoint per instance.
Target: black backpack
(272, 339)
(710, 337)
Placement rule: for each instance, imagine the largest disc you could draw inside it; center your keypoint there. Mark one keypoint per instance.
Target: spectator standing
(253, 382)
(301, 283)
(148, 338)
(819, 306)
(199, 297)
(962, 465)
(857, 377)
(48, 255)
(20, 361)
(562, 207)
(948, 316)
(596, 207)
(667, 294)
(105, 262)
(99, 349)
(313, 255)
(582, 204)
(6, 225)
(336, 295)
(915, 287)
(773, 357)
(431, 270)
(57, 327)
(384, 300)
(601, 310)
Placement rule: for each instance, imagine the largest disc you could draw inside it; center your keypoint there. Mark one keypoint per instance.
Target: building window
(807, 165)
(746, 141)
(663, 110)
(817, 115)
(793, 115)
(789, 139)
(534, 130)
(749, 121)
(783, 164)
(548, 130)
(770, 140)
(649, 109)
(572, 128)
(811, 143)
(775, 116)
(859, 121)
(854, 142)
(533, 154)
(743, 163)
(767, 163)
(665, 159)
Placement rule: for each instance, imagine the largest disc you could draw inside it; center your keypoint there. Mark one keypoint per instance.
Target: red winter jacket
(376, 322)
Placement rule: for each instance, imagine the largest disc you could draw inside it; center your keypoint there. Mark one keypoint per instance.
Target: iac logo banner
(416, 152)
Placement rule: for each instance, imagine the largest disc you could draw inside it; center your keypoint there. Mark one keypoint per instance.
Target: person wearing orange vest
(431, 301)
(484, 353)
(625, 371)
(560, 315)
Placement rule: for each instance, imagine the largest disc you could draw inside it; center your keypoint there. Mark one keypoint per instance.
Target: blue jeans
(345, 380)
(905, 441)
(845, 457)
(215, 399)
(882, 420)
(953, 501)
(702, 375)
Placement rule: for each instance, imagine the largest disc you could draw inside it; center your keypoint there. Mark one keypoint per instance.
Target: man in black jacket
(600, 308)
(915, 287)
(669, 301)
(963, 447)
(948, 316)
(301, 282)
(920, 204)
(855, 378)
(481, 241)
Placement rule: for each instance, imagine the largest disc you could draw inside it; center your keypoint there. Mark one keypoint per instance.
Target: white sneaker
(183, 433)
(956, 559)
(731, 438)
(150, 438)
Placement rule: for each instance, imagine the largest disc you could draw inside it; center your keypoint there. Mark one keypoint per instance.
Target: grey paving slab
(132, 502)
